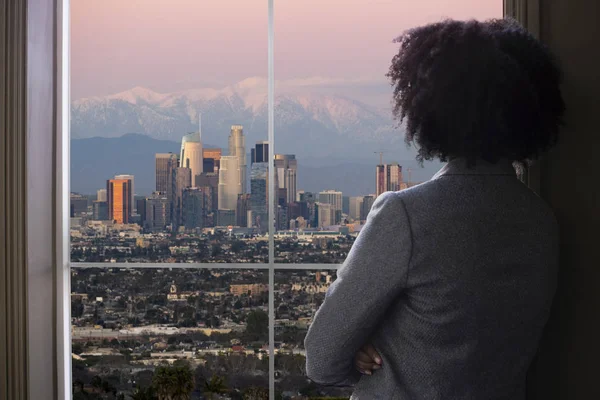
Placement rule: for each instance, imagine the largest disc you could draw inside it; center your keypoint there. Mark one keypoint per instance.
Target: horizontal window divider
(263, 266)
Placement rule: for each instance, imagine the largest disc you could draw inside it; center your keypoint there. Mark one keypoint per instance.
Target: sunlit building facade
(119, 200)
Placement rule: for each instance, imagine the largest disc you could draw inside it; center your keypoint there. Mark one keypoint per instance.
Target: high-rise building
(243, 206)
(286, 167)
(211, 159)
(191, 153)
(119, 200)
(209, 182)
(346, 205)
(140, 204)
(101, 195)
(307, 197)
(260, 153)
(194, 208)
(366, 205)
(334, 198)
(389, 178)
(237, 148)
(158, 212)
(225, 217)
(355, 206)
(100, 210)
(182, 178)
(78, 205)
(229, 183)
(131, 178)
(259, 195)
(166, 163)
(326, 214)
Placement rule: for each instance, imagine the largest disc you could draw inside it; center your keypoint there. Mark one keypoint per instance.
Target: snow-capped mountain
(306, 122)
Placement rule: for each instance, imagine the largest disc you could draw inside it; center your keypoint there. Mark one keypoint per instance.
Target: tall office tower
(101, 195)
(131, 178)
(194, 208)
(241, 212)
(166, 163)
(326, 215)
(346, 205)
(119, 200)
(191, 153)
(334, 198)
(211, 159)
(259, 195)
(78, 204)
(229, 183)
(209, 180)
(140, 204)
(237, 148)
(100, 210)
(158, 212)
(281, 220)
(286, 167)
(225, 217)
(182, 178)
(355, 205)
(260, 153)
(389, 178)
(366, 205)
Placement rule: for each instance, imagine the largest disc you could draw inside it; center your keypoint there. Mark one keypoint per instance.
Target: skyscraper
(182, 178)
(259, 194)
(100, 210)
(286, 167)
(165, 165)
(355, 206)
(78, 204)
(194, 208)
(366, 205)
(260, 153)
(334, 198)
(326, 214)
(389, 178)
(237, 148)
(243, 206)
(191, 153)
(130, 177)
(209, 182)
(229, 183)
(158, 212)
(119, 200)
(101, 195)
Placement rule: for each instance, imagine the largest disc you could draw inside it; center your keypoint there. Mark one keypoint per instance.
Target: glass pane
(131, 328)
(336, 142)
(164, 122)
(298, 295)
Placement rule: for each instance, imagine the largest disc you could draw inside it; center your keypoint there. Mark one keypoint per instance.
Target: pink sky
(181, 44)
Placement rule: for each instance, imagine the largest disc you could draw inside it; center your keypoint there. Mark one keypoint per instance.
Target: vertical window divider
(271, 196)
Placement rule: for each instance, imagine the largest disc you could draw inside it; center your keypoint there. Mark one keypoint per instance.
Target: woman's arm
(372, 276)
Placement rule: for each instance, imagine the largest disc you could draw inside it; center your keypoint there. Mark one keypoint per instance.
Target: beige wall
(568, 363)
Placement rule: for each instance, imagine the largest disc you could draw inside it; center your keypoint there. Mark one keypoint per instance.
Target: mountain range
(308, 122)
(94, 160)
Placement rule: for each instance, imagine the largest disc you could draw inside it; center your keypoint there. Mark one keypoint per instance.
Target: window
(210, 209)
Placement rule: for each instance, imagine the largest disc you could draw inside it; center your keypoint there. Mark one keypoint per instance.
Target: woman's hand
(367, 360)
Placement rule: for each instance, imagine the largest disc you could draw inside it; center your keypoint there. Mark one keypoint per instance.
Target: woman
(448, 286)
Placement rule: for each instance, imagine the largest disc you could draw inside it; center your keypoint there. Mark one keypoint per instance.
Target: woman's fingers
(365, 363)
(372, 353)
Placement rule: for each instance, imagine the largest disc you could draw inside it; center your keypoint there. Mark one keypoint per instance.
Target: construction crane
(380, 156)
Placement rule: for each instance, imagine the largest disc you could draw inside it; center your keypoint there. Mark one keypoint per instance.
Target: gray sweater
(451, 281)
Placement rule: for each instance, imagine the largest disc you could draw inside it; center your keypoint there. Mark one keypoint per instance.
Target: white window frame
(526, 11)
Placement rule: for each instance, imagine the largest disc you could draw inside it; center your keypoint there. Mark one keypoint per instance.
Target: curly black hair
(479, 90)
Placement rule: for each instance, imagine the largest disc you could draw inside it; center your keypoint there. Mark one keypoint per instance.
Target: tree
(257, 326)
(144, 394)
(256, 393)
(173, 382)
(216, 385)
